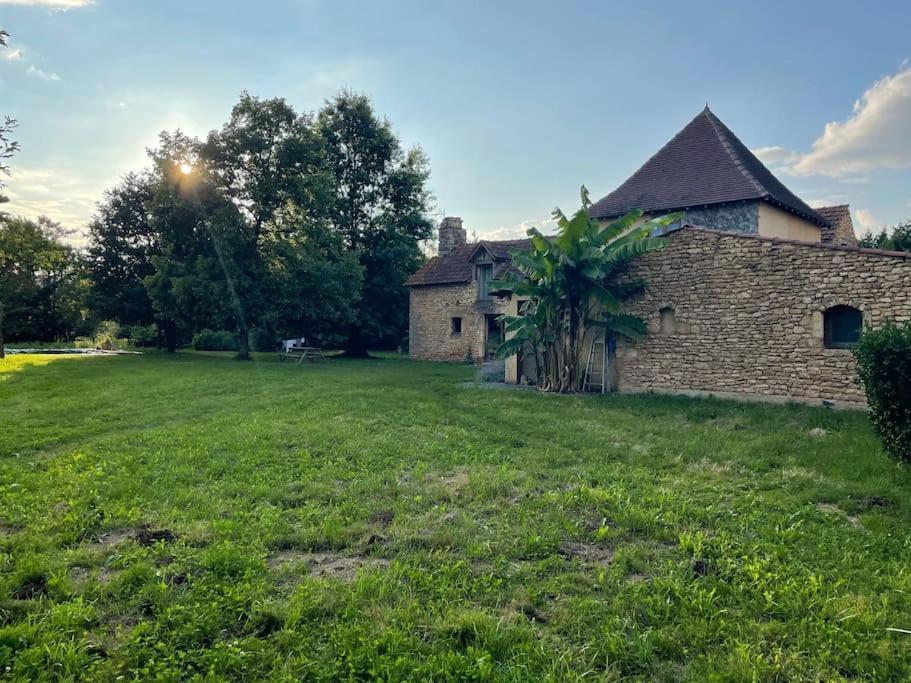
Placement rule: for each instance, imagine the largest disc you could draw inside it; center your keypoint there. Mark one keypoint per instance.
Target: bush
(143, 335)
(107, 336)
(884, 368)
(210, 340)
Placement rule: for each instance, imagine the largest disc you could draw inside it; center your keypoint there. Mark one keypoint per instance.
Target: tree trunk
(243, 344)
(2, 347)
(170, 335)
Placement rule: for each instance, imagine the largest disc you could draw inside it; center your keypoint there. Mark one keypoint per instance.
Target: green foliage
(43, 285)
(375, 520)
(573, 284)
(378, 205)
(247, 229)
(143, 335)
(109, 336)
(210, 340)
(896, 238)
(884, 368)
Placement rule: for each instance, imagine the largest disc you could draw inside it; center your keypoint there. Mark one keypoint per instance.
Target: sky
(517, 104)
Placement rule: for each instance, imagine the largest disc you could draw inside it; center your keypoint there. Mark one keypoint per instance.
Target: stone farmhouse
(756, 295)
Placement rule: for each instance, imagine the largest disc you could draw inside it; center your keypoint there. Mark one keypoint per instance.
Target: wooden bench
(310, 353)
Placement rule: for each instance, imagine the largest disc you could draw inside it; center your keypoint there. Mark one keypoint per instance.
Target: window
(484, 276)
(456, 327)
(668, 321)
(841, 327)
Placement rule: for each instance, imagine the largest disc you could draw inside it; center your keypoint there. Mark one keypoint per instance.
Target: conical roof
(704, 164)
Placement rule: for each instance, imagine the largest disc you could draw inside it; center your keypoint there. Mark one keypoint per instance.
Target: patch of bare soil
(31, 588)
(456, 481)
(383, 518)
(586, 552)
(147, 537)
(830, 509)
(877, 503)
(343, 567)
(325, 564)
(144, 536)
(818, 432)
(82, 575)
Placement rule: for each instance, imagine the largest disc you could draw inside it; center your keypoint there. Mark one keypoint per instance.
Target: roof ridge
(738, 162)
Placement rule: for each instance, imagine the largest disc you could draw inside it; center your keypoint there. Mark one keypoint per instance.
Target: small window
(841, 327)
(668, 321)
(456, 327)
(484, 276)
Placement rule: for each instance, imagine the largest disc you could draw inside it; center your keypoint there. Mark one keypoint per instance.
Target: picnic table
(310, 353)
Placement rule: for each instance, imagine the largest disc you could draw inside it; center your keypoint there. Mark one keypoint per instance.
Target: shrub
(143, 335)
(884, 368)
(107, 336)
(214, 340)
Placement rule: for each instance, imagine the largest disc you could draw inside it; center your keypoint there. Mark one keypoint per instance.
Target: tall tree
(43, 283)
(379, 206)
(122, 243)
(268, 160)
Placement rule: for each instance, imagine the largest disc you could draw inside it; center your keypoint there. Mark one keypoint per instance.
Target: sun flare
(186, 169)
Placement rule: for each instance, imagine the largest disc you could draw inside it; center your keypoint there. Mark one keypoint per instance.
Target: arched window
(668, 321)
(841, 326)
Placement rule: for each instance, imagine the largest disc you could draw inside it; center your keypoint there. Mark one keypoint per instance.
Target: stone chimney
(452, 234)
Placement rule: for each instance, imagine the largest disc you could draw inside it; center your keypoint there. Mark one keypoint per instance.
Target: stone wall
(735, 217)
(749, 314)
(431, 309)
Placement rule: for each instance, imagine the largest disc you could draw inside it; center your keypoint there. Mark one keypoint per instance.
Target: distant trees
(898, 238)
(43, 285)
(281, 223)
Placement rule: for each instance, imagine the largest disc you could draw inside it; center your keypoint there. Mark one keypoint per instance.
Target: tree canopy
(278, 223)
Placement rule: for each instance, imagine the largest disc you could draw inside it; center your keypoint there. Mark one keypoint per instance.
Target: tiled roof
(455, 267)
(704, 164)
(841, 229)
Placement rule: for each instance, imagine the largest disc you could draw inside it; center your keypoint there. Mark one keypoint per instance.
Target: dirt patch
(586, 552)
(456, 481)
(818, 432)
(10, 529)
(81, 576)
(147, 537)
(287, 558)
(877, 503)
(636, 578)
(31, 588)
(830, 509)
(110, 539)
(383, 518)
(342, 567)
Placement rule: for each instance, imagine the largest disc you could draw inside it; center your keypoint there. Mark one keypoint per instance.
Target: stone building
(755, 293)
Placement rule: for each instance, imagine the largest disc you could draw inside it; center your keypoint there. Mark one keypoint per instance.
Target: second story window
(485, 275)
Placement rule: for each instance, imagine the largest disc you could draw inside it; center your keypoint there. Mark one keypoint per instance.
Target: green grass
(193, 516)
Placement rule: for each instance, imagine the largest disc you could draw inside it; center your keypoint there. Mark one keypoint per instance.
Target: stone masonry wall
(431, 309)
(735, 217)
(749, 315)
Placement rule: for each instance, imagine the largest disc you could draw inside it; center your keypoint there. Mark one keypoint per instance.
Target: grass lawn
(193, 516)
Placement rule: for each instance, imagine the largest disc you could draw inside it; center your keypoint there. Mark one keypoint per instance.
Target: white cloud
(24, 57)
(52, 4)
(68, 198)
(877, 135)
(866, 221)
(41, 73)
(514, 232)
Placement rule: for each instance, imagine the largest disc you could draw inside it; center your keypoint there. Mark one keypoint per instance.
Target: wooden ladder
(597, 370)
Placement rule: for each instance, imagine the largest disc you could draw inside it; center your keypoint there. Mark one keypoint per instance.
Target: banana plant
(573, 284)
